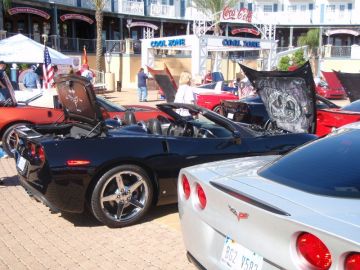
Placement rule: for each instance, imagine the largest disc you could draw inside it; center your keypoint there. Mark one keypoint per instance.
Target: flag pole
(44, 84)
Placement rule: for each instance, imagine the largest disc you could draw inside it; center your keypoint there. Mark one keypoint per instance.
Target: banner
(75, 16)
(245, 30)
(30, 10)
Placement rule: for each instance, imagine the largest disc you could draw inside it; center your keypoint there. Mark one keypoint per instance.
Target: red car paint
(333, 89)
(211, 100)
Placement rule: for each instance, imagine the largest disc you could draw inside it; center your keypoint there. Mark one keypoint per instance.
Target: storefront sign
(144, 24)
(240, 43)
(75, 16)
(30, 10)
(245, 30)
(168, 43)
(232, 14)
(342, 31)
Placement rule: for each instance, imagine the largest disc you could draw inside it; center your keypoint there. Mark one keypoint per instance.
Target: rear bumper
(37, 194)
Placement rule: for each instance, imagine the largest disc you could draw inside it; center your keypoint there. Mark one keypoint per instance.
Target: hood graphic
(351, 84)
(78, 99)
(165, 81)
(288, 96)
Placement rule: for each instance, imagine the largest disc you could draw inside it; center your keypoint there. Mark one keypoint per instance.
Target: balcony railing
(341, 51)
(158, 10)
(131, 7)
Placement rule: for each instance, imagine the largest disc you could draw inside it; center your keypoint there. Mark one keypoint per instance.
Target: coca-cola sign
(232, 14)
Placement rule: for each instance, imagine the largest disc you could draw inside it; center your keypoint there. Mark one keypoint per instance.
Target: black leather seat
(154, 127)
(129, 118)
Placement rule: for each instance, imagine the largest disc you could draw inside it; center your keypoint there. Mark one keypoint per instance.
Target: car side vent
(250, 200)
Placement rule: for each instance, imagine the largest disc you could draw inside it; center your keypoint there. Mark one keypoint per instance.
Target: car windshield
(353, 107)
(110, 106)
(328, 166)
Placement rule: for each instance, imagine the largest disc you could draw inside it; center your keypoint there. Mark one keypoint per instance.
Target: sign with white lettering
(75, 16)
(239, 15)
(30, 10)
(245, 30)
(342, 31)
(144, 24)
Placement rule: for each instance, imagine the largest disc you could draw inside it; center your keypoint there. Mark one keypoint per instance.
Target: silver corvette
(299, 211)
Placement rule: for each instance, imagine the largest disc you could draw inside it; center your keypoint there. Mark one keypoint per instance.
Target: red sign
(30, 10)
(231, 14)
(144, 24)
(245, 30)
(74, 16)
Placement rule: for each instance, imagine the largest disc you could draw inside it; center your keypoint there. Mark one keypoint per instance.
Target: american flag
(48, 70)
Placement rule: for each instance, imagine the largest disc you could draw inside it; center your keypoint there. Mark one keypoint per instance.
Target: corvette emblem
(239, 215)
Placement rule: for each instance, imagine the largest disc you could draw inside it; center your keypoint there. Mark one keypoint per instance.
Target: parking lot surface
(33, 238)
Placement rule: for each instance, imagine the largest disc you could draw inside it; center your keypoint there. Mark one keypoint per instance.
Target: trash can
(118, 86)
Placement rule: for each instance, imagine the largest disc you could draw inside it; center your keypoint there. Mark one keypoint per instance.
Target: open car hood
(288, 96)
(351, 84)
(165, 81)
(7, 95)
(78, 99)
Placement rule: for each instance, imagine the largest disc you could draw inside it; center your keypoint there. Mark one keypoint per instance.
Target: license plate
(230, 115)
(235, 256)
(21, 162)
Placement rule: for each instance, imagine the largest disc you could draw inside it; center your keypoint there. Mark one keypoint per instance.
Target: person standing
(31, 79)
(142, 89)
(185, 93)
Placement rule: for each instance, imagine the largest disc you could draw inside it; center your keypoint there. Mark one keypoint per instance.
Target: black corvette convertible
(121, 172)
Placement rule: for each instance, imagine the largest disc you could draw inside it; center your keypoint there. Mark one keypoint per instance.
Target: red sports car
(13, 113)
(332, 88)
(212, 100)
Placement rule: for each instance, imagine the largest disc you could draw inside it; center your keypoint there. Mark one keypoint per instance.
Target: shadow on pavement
(9, 181)
(86, 219)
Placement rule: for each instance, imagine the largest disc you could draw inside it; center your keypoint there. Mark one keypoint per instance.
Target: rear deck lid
(78, 99)
(288, 96)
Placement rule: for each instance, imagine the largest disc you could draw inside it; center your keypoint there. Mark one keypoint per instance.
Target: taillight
(314, 251)
(77, 162)
(352, 262)
(41, 154)
(186, 186)
(201, 196)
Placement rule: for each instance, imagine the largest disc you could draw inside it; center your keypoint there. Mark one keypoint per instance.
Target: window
(292, 8)
(342, 8)
(330, 8)
(331, 166)
(268, 8)
(302, 7)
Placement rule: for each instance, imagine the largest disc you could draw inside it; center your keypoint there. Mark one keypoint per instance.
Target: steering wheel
(205, 133)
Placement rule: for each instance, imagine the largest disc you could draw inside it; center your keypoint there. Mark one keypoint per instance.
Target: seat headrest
(129, 118)
(155, 127)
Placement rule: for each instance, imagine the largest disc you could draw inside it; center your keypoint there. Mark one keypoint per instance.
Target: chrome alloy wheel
(124, 195)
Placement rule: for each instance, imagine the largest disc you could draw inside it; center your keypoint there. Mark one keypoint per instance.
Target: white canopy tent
(21, 49)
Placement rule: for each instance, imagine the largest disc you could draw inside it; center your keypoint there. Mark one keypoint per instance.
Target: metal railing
(158, 10)
(341, 51)
(99, 79)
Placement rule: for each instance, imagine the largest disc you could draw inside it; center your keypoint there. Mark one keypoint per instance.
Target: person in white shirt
(185, 93)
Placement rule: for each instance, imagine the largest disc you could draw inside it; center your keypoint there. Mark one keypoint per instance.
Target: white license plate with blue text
(235, 256)
(21, 162)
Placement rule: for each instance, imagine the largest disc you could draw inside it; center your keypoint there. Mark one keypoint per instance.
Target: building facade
(71, 23)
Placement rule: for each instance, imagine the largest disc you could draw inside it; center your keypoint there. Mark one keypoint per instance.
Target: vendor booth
(21, 49)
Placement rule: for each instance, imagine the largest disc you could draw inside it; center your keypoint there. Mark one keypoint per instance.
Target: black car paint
(65, 188)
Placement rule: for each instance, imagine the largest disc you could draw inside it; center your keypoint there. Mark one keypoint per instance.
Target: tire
(113, 202)
(9, 140)
(217, 109)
